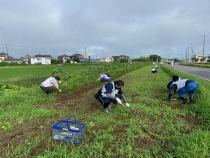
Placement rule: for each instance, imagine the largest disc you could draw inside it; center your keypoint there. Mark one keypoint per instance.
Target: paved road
(203, 73)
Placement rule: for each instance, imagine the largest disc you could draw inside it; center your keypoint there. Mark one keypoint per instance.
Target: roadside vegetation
(197, 143)
(151, 127)
(196, 65)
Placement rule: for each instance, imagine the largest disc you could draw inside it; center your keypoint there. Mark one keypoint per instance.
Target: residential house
(105, 59)
(198, 58)
(41, 59)
(64, 58)
(15, 61)
(206, 59)
(26, 59)
(121, 58)
(4, 57)
(77, 58)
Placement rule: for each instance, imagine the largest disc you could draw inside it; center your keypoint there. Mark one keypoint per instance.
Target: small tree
(155, 58)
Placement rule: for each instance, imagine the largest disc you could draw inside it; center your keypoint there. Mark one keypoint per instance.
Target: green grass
(196, 65)
(152, 127)
(19, 99)
(202, 106)
(197, 144)
(20, 72)
(147, 129)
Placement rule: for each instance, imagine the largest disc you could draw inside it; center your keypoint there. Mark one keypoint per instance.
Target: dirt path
(34, 128)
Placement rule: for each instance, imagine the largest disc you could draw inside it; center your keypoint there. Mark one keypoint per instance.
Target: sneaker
(106, 110)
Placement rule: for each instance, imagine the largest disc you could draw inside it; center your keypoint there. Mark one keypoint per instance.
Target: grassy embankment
(196, 65)
(152, 127)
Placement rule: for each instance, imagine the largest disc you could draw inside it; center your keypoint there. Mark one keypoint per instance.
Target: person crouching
(183, 86)
(111, 93)
(51, 84)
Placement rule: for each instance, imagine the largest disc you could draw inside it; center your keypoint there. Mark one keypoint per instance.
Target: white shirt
(50, 82)
(154, 69)
(180, 83)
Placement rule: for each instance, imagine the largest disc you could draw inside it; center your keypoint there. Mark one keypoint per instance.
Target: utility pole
(7, 51)
(85, 52)
(192, 54)
(186, 55)
(204, 40)
(192, 50)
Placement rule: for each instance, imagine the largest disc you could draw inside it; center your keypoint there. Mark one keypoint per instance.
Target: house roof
(3, 54)
(45, 56)
(77, 55)
(121, 56)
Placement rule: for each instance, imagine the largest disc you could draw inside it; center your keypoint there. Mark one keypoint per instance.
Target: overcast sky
(104, 27)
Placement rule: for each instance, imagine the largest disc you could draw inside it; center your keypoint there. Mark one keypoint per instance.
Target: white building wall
(106, 59)
(41, 60)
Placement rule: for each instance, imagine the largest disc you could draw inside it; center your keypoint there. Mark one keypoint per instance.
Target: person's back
(51, 84)
(180, 83)
(51, 81)
(154, 70)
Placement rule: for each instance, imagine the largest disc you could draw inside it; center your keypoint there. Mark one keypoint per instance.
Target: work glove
(127, 104)
(119, 101)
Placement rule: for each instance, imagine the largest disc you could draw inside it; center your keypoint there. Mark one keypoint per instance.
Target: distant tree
(176, 60)
(155, 58)
(53, 61)
(142, 59)
(123, 61)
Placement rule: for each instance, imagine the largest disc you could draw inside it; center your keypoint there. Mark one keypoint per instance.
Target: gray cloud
(110, 27)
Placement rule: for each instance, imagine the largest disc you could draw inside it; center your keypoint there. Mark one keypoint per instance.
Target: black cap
(175, 78)
(119, 83)
(57, 78)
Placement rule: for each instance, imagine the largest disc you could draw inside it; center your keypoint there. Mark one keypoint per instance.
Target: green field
(151, 127)
(19, 72)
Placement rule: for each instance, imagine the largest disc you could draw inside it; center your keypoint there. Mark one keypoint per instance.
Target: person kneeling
(111, 93)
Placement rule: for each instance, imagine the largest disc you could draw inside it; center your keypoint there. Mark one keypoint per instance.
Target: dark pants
(106, 101)
(48, 90)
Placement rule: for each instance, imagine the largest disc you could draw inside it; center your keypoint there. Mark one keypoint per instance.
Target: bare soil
(84, 97)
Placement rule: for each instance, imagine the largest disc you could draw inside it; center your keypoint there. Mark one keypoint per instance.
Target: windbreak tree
(155, 58)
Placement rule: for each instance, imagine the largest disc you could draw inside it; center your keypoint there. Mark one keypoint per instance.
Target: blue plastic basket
(68, 131)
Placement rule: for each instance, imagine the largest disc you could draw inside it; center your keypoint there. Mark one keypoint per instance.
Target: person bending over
(183, 87)
(51, 84)
(112, 93)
